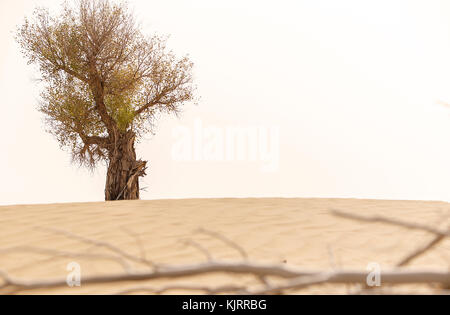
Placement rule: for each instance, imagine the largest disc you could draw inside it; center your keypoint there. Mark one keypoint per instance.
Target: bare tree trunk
(122, 179)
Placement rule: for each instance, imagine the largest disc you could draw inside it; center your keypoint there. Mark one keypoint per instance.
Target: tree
(105, 83)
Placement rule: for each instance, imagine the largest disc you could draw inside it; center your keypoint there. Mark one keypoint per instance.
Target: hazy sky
(351, 86)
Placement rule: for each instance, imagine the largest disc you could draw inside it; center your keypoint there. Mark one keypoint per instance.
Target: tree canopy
(102, 76)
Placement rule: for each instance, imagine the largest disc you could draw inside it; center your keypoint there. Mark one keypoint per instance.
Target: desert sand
(298, 232)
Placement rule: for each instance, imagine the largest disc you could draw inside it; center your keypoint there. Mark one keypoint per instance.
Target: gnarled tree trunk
(122, 179)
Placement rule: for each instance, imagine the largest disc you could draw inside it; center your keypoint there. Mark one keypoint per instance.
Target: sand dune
(299, 231)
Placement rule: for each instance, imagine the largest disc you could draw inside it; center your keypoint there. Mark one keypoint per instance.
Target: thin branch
(208, 290)
(421, 250)
(298, 283)
(378, 219)
(138, 242)
(200, 248)
(57, 253)
(96, 243)
(226, 240)
(440, 235)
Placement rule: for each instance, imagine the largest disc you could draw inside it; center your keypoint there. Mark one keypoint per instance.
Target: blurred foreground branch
(289, 278)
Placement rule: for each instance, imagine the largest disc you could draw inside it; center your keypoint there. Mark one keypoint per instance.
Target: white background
(353, 85)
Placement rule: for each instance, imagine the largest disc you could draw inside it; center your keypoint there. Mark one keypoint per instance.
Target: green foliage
(121, 109)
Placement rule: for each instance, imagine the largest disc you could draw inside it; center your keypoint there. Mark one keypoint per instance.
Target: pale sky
(353, 86)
